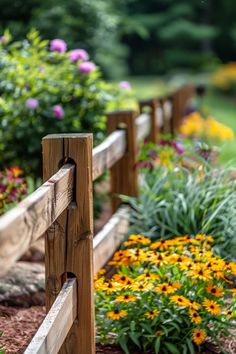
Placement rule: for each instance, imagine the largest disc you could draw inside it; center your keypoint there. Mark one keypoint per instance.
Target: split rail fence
(62, 210)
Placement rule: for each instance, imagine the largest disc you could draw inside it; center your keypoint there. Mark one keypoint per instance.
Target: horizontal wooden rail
(24, 224)
(109, 152)
(110, 237)
(56, 325)
(143, 126)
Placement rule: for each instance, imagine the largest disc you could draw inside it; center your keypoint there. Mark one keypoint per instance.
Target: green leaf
(190, 345)
(122, 340)
(157, 345)
(135, 338)
(172, 348)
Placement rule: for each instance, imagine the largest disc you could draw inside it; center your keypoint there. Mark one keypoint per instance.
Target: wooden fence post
(124, 175)
(69, 242)
(153, 104)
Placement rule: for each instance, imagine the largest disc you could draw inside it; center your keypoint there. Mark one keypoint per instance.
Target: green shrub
(44, 91)
(184, 202)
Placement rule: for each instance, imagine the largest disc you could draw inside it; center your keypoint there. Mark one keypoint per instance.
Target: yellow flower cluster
(196, 125)
(225, 76)
(179, 277)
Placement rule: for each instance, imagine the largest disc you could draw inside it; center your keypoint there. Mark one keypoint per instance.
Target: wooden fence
(62, 209)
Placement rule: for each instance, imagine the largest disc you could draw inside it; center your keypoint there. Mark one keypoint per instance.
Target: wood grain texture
(108, 152)
(70, 247)
(143, 126)
(152, 105)
(56, 325)
(124, 175)
(24, 224)
(106, 242)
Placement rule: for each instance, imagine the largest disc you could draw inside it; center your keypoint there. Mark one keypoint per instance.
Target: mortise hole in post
(69, 160)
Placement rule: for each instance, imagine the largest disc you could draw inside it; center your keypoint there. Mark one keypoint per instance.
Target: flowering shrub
(12, 187)
(207, 129)
(170, 295)
(44, 88)
(224, 79)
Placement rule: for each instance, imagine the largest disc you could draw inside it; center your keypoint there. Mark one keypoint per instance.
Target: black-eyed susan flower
(214, 290)
(136, 286)
(147, 276)
(179, 300)
(126, 298)
(200, 273)
(195, 317)
(165, 288)
(116, 314)
(199, 335)
(122, 279)
(194, 305)
(212, 306)
(151, 314)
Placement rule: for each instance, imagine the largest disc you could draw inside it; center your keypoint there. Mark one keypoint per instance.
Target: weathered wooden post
(69, 241)
(153, 105)
(124, 175)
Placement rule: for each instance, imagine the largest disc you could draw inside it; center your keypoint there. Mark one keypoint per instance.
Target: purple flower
(2, 39)
(31, 103)
(178, 147)
(87, 67)
(58, 111)
(125, 85)
(78, 54)
(58, 45)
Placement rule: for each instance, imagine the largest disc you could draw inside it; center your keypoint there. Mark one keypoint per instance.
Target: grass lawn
(220, 107)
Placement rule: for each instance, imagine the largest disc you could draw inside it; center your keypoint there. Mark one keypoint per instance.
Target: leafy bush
(46, 91)
(168, 295)
(187, 202)
(12, 188)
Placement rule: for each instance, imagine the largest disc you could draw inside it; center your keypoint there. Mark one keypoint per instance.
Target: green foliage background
(133, 36)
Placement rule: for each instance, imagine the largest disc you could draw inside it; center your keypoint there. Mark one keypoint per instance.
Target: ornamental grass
(169, 295)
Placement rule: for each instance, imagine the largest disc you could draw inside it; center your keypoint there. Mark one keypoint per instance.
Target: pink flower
(125, 85)
(78, 54)
(87, 67)
(2, 39)
(58, 45)
(31, 103)
(58, 111)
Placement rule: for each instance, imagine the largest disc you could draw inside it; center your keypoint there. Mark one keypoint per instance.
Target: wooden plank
(106, 242)
(143, 126)
(123, 174)
(56, 325)
(152, 105)
(108, 152)
(24, 224)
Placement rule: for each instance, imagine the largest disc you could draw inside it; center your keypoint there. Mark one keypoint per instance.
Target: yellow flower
(122, 279)
(147, 276)
(126, 298)
(151, 314)
(141, 286)
(165, 288)
(116, 314)
(214, 290)
(200, 273)
(212, 307)
(194, 305)
(194, 316)
(180, 300)
(162, 245)
(135, 239)
(199, 335)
